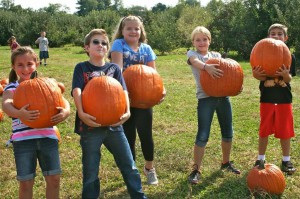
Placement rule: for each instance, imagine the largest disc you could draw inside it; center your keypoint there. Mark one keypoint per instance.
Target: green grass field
(175, 125)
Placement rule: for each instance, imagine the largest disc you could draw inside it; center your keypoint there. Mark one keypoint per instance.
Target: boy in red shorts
(276, 115)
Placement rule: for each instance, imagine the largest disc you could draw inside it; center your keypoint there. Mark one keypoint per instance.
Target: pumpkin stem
(33, 75)
(261, 165)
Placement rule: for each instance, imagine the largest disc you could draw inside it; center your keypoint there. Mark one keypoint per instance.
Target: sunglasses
(97, 42)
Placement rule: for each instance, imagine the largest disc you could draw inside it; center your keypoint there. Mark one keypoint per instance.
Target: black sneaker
(287, 167)
(194, 177)
(229, 167)
(257, 162)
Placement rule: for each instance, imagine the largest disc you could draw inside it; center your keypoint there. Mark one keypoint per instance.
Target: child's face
(24, 65)
(97, 47)
(131, 32)
(201, 42)
(278, 33)
(43, 34)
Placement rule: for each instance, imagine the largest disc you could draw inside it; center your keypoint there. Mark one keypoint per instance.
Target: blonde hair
(22, 50)
(279, 26)
(122, 23)
(202, 30)
(88, 37)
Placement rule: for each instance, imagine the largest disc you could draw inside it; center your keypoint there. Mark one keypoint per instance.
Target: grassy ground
(174, 129)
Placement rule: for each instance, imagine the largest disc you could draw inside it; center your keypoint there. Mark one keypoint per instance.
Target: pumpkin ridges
(270, 54)
(112, 103)
(38, 94)
(270, 179)
(144, 84)
(229, 84)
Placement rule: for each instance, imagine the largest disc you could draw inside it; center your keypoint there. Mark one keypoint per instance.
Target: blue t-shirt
(144, 55)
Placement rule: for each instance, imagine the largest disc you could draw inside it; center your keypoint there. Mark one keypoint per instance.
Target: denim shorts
(206, 109)
(28, 152)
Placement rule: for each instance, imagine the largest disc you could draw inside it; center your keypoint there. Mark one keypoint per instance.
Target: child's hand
(61, 116)
(88, 120)
(26, 115)
(259, 73)
(123, 119)
(213, 71)
(283, 72)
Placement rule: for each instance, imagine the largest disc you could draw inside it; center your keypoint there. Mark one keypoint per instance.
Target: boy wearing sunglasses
(92, 134)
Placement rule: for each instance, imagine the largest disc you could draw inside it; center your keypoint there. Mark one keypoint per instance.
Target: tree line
(236, 25)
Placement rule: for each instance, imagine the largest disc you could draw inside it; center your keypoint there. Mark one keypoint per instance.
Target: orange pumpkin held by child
(270, 54)
(230, 84)
(104, 98)
(41, 94)
(144, 84)
(266, 178)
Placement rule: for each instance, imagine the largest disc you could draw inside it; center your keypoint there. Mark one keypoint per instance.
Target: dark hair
(20, 51)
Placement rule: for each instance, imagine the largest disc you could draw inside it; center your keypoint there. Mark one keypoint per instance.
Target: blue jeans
(27, 152)
(206, 108)
(117, 144)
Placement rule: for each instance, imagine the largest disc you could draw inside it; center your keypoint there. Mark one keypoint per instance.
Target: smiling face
(24, 65)
(131, 32)
(201, 42)
(97, 47)
(278, 33)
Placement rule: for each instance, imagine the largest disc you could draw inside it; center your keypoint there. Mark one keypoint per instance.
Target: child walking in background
(30, 144)
(92, 135)
(276, 115)
(207, 105)
(43, 43)
(129, 47)
(13, 44)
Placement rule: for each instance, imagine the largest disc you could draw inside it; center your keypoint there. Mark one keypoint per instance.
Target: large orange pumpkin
(266, 178)
(145, 86)
(104, 98)
(41, 94)
(230, 84)
(270, 54)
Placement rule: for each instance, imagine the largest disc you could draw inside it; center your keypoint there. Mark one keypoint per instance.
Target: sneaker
(287, 167)
(194, 177)
(40, 63)
(229, 167)
(257, 162)
(45, 64)
(151, 176)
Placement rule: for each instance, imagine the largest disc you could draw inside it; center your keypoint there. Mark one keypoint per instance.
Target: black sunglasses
(97, 42)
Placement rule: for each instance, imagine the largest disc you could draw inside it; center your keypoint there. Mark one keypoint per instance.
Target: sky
(72, 4)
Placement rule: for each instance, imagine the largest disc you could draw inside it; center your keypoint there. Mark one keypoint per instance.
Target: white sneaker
(151, 176)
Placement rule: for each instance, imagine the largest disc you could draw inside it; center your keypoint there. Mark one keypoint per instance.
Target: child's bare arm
(86, 118)
(258, 73)
(64, 112)
(10, 110)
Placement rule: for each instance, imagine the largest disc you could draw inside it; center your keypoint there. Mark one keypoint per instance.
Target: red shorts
(276, 119)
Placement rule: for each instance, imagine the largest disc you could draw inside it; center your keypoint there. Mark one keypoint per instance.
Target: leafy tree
(161, 32)
(7, 4)
(86, 6)
(189, 20)
(159, 8)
